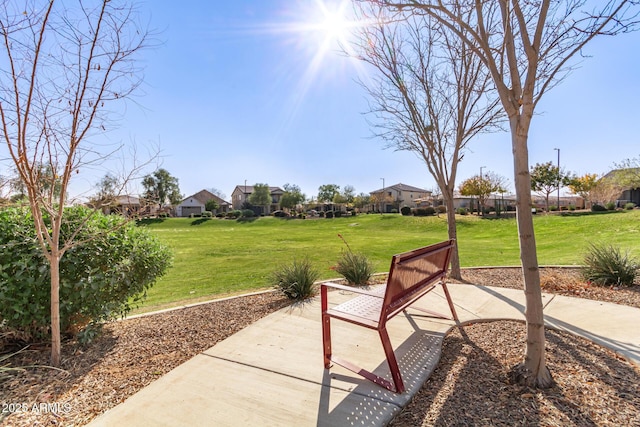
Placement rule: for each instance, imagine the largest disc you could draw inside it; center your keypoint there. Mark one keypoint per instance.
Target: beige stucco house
(242, 193)
(195, 204)
(398, 195)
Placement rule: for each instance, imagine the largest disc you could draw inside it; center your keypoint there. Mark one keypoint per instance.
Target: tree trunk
(452, 231)
(55, 310)
(533, 371)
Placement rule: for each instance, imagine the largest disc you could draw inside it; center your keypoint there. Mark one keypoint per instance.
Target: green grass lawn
(223, 257)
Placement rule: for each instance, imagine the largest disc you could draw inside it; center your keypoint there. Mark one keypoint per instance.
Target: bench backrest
(413, 274)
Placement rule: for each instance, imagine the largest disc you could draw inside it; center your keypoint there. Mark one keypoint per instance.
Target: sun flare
(317, 37)
(333, 24)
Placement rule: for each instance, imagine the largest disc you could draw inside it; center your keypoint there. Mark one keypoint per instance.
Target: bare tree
(64, 67)
(606, 190)
(526, 46)
(217, 192)
(430, 96)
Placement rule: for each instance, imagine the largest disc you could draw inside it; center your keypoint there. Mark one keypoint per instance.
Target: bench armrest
(351, 289)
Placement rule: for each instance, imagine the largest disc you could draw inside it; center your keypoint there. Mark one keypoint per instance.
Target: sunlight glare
(333, 24)
(317, 47)
(324, 31)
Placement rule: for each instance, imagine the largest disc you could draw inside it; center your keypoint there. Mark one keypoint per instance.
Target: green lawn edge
(215, 258)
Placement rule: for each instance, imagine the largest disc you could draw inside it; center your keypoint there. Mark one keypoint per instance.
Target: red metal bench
(412, 275)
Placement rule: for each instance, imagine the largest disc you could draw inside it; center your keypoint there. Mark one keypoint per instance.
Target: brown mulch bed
(469, 387)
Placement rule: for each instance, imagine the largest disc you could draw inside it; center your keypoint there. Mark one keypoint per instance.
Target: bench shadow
(417, 357)
(452, 385)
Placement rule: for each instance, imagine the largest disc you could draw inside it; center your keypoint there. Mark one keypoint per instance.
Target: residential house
(124, 205)
(398, 195)
(241, 195)
(195, 204)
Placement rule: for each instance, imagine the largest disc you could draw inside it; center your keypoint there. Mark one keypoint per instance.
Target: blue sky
(230, 98)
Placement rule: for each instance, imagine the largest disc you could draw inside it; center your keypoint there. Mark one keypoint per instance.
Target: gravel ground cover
(469, 387)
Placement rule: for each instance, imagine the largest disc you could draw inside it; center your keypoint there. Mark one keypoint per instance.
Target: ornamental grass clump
(609, 265)
(297, 279)
(354, 267)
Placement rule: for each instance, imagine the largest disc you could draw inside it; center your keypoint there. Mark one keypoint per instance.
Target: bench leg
(450, 301)
(326, 328)
(326, 340)
(391, 360)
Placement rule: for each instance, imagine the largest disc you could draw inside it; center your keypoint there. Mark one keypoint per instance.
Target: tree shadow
(589, 213)
(149, 221)
(199, 221)
(33, 370)
(247, 219)
(473, 374)
(498, 218)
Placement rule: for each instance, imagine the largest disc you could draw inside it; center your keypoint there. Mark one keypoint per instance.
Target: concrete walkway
(272, 374)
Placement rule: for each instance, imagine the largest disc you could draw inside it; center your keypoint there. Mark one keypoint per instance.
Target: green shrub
(553, 208)
(207, 214)
(296, 280)
(354, 267)
(234, 214)
(629, 206)
(441, 209)
(100, 278)
(597, 208)
(462, 211)
(610, 206)
(608, 265)
(247, 213)
(405, 210)
(328, 214)
(338, 214)
(572, 207)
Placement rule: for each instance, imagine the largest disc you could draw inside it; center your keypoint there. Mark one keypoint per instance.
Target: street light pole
(558, 178)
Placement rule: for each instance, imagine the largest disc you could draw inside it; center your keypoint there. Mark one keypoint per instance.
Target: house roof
(203, 196)
(127, 200)
(248, 189)
(401, 187)
(615, 174)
